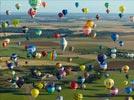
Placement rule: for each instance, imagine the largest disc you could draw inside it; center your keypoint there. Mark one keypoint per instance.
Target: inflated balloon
(10, 65)
(103, 65)
(7, 40)
(38, 32)
(89, 23)
(97, 17)
(15, 22)
(35, 93)
(58, 88)
(121, 43)
(113, 50)
(113, 55)
(87, 30)
(4, 25)
(114, 91)
(31, 49)
(65, 12)
(131, 18)
(60, 15)
(20, 82)
(125, 83)
(44, 53)
(14, 57)
(25, 29)
(58, 65)
(38, 55)
(44, 4)
(109, 83)
(125, 68)
(106, 4)
(114, 37)
(129, 98)
(93, 34)
(50, 89)
(107, 11)
(85, 10)
(122, 8)
(120, 15)
(74, 85)
(128, 90)
(35, 3)
(101, 58)
(76, 4)
(17, 6)
(81, 80)
(59, 98)
(7, 12)
(4, 44)
(32, 12)
(82, 67)
(78, 96)
(63, 43)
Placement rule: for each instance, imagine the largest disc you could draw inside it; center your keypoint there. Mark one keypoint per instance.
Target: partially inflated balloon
(15, 22)
(109, 83)
(38, 32)
(32, 12)
(122, 8)
(63, 43)
(34, 93)
(85, 10)
(7, 12)
(60, 15)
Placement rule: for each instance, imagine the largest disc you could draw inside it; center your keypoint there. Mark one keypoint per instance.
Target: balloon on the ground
(109, 83)
(63, 43)
(35, 93)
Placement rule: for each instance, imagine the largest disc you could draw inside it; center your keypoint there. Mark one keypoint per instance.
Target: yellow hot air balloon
(39, 85)
(130, 98)
(38, 55)
(15, 22)
(90, 23)
(82, 67)
(125, 83)
(125, 68)
(122, 8)
(109, 83)
(35, 93)
(85, 10)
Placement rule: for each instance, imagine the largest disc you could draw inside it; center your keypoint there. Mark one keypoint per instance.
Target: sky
(55, 6)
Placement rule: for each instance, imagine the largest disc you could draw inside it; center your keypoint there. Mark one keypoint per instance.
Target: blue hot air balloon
(101, 58)
(121, 43)
(76, 4)
(65, 11)
(128, 90)
(114, 37)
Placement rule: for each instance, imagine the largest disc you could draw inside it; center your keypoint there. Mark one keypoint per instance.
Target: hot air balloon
(63, 43)
(121, 43)
(50, 89)
(114, 91)
(85, 10)
(17, 6)
(82, 67)
(128, 90)
(4, 44)
(59, 98)
(7, 40)
(32, 12)
(65, 12)
(125, 68)
(58, 88)
(39, 85)
(25, 29)
(120, 15)
(107, 11)
(56, 35)
(114, 37)
(74, 85)
(122, 8)
(35, 3)
(38, 32)
(109, 83)
(76, 4)
(4, 25)
(15, 22)
(89, 23)
(80, 80)
(131, 18)
(35, 93)
(97, 17)
(101, 58)
(44, 4)
(103, 65)
(38, 55)
(7, 12)
(58, 65)
(60, 15)
(107, 5)
(78, 96)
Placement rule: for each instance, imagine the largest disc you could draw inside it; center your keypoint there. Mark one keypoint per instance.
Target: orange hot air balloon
(87, 30)
(89, 23)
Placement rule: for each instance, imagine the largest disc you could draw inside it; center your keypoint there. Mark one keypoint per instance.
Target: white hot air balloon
(63, 43)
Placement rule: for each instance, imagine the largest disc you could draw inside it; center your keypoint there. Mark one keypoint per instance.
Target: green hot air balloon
(38, 32)
(15, 22)
(4, 25)
(34, 3)
(106, 4)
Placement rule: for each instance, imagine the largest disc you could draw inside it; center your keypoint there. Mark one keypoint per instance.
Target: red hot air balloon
(86, 30)
(56, 35)
(44, 4)
(74, 85)
(32, 12)
(60, 15)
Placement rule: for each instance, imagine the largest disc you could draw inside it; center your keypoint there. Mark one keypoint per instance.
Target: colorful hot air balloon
(85, 10)
(114, 91)
(17, 6)
(125, 68)
(35, 3)
(128, 90)
(35, 93)
(32, 12)
(15, 22)
(76, 4)
(74, 85)
(87, 30)
(50, 89)
(63, 43)
(65, 12)
(60, 15)
(52, 55)
(109, 83)
(90, 23)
